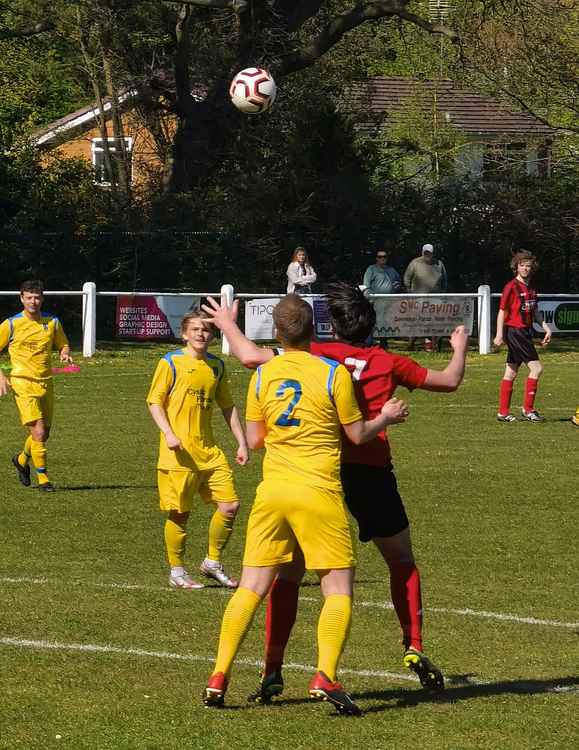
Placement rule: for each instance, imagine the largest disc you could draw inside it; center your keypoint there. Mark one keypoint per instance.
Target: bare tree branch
(349, 20)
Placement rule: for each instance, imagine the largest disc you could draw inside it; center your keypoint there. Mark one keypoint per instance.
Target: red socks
(282, 607)
(530, 392)
(407, 600)
(505, 393)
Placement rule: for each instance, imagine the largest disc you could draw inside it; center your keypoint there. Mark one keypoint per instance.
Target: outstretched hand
(396, 410)
(221, 315)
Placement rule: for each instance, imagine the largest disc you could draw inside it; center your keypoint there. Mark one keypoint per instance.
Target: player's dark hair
(294, 320)
(523, 256)
(197, 313)
(32, 286)
(353, 316)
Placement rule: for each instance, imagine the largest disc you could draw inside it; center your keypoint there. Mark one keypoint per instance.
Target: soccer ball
(253, 90)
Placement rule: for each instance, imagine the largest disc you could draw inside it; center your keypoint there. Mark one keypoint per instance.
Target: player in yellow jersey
(186, 384)
(295, 406)
(30, 337)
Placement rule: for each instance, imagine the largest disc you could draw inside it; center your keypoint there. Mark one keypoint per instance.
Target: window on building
(102, 176)
(503, 159)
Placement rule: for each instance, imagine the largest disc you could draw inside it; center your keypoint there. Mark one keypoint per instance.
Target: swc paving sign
(561, 317)
(428, 316)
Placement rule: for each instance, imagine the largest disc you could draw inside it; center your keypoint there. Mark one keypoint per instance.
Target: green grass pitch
(97, 653)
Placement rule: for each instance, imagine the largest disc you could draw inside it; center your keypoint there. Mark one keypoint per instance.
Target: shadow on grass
(456, 691)
(92, 487)
(404, 698)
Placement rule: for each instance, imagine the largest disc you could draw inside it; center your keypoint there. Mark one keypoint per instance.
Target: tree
(197, 46)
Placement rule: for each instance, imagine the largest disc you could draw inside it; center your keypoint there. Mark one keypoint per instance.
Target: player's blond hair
(524, 256)
(197, 314)
(294, 320)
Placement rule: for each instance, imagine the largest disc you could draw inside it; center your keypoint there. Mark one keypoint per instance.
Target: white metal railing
(227, 293)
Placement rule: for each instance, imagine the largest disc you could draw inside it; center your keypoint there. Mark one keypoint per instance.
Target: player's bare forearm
(160, 418)
(255, 434)
(540, 319)
(247, 352)
(231, 417)
(449, 379)
(4, 384)
(394, 411)
(499, 340)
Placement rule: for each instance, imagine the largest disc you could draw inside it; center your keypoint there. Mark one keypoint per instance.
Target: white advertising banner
(259, 321)
(561, 317)
(422, 316)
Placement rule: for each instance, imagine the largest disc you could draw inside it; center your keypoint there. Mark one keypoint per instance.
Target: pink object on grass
(67, 368)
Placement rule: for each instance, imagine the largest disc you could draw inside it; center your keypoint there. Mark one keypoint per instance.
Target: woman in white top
(300, 274)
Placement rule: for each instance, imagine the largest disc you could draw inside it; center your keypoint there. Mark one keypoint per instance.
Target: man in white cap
(425, 274)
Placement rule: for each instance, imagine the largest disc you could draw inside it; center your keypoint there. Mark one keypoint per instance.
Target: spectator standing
(426, 274)
(381, 278)
(300, 274)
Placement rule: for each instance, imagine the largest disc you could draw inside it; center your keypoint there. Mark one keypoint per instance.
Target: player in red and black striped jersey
(518, 310)
(368, 480)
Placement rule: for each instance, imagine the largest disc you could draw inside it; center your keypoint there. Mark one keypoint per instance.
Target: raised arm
(451, 377)
(247, 352)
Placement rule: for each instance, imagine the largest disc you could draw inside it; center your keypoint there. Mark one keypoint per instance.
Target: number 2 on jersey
(285, 419)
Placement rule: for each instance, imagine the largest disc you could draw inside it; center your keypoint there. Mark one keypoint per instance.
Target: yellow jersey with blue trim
(187, 388)
(303, 400)
(30, 343)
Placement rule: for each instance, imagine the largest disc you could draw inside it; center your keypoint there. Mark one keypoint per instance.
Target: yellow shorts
(34, 399)
(285, 515)
(178, 488)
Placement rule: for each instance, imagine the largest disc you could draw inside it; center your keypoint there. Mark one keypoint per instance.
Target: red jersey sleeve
(407, 372)
(505, 302)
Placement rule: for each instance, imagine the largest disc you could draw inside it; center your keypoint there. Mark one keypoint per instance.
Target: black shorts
(520, 345)
(371, 494)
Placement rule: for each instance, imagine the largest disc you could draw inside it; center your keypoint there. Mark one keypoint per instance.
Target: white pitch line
(463, 612)
(95, 648)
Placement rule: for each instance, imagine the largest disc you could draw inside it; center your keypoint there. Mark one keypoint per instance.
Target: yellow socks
(234, 626)
(220, 530)
(175, 538)
(333, 630)
(38, 453)
(24, 457)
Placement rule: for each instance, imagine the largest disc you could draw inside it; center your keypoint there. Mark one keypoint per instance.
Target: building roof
(472, 113)
(77, 122)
